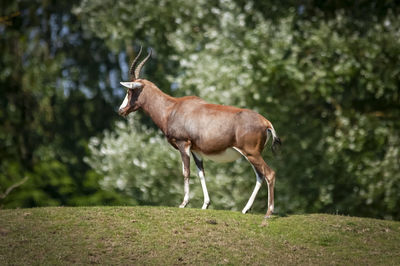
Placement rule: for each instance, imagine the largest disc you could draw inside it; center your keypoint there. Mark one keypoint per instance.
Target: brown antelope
(193, 126)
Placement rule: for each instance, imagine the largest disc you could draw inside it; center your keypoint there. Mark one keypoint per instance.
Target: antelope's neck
(157, 105)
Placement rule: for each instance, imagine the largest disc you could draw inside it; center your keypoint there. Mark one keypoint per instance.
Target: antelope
(204, 130)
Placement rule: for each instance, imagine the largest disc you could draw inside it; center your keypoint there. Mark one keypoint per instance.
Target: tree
(326, 79)
(56, 92)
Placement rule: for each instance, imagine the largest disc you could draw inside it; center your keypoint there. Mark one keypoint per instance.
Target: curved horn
(132, 68)
(139, 67)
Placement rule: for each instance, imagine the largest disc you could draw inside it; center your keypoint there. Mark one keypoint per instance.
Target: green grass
(159, 235)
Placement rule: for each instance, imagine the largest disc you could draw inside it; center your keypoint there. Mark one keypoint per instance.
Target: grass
(166, 236)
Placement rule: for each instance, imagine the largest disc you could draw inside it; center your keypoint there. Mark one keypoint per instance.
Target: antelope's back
(210, 127)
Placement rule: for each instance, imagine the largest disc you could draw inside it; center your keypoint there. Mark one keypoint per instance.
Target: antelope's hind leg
(263, 171)
(200, 172)
(269, 176)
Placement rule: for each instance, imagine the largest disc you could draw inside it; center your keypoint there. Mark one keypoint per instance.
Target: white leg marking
(186, 197)
(239, 151)
(253, 195)
(204, 187)
(185, 171)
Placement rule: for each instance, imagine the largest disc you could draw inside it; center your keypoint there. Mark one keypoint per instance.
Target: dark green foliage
(325, 74)
(51, 103)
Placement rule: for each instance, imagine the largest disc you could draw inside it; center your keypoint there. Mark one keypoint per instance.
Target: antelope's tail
(276, 141)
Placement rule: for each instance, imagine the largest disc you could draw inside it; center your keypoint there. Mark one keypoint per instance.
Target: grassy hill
(160, 235)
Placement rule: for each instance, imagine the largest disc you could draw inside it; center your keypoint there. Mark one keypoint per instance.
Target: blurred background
(325, 73)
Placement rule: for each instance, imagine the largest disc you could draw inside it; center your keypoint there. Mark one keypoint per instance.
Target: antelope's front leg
(200, 172)
(184, 149)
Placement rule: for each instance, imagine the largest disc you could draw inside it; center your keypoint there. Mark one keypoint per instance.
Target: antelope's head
(134, 87)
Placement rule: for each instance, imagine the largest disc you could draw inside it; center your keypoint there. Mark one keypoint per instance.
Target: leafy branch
(11, 188)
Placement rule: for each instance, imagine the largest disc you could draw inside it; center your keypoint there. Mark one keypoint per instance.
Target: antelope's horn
(139, 67)
(132, 68)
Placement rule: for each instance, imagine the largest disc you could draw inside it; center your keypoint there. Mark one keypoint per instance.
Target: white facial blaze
(124, 103)
(130, 85)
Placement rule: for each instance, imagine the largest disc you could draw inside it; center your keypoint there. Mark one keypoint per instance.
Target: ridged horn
(139, 67)
(132, 68)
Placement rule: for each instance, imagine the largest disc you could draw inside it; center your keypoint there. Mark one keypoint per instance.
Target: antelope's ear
(132, 85)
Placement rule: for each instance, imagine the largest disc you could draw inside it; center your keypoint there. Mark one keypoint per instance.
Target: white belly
(228, 155)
